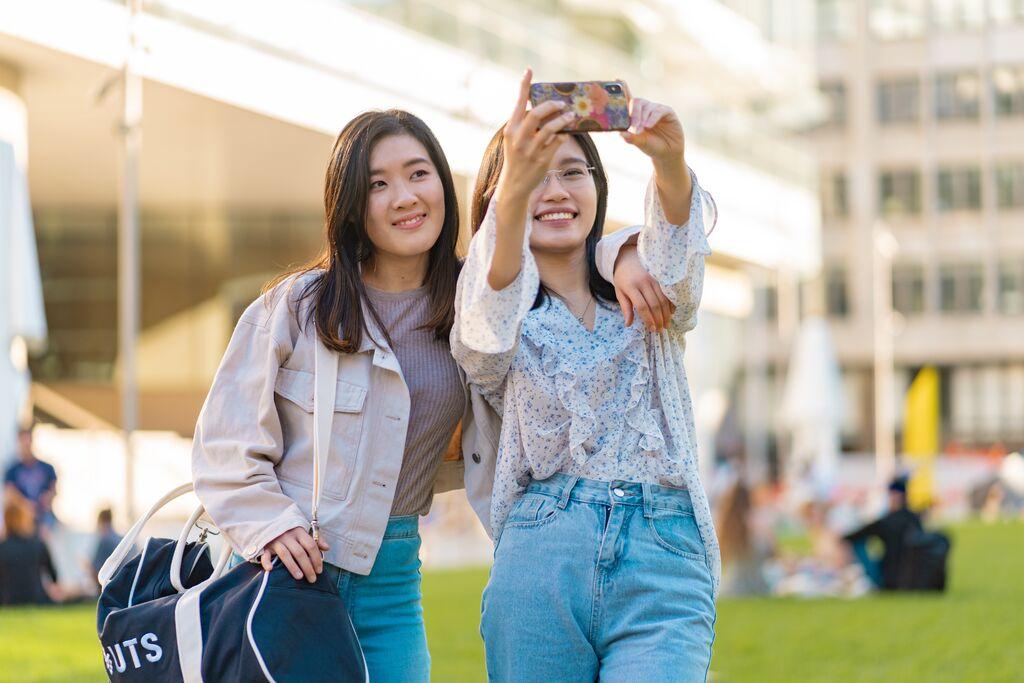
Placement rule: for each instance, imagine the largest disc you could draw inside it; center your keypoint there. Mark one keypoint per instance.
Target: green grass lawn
(975, 632)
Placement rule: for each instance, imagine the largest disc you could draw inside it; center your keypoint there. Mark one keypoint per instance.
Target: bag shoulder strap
(325, 390)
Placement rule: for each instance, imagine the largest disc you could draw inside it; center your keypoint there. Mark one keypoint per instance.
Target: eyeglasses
(573, 176)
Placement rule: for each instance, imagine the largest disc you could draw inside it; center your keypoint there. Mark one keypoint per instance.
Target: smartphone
(598, 105)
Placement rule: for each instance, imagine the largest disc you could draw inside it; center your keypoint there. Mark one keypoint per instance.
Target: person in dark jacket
(27, 576)
(894, 529)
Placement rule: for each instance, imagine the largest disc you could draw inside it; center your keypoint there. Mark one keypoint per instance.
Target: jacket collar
(383, 355)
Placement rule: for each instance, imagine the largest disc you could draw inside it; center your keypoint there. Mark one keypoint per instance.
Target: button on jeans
(598, 580)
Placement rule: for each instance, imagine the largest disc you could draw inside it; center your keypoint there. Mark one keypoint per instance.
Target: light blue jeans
(386, 606)
(597, 580)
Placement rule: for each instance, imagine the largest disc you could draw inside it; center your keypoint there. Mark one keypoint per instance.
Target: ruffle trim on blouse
(582, 421)
(638, 415)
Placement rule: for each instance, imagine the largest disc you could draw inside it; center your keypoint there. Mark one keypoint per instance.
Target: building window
(1007, 11)
(898, 100)
(953, 15)
(1010, 186)
(897, 19)
(1011, 287)
(1008, 90)
(837, 302)
(835, 19)
(958, 189)
(834, 195)
(961, 287)
(908, 289)
(957, 95)
(986, 403)
(899, 192)
(835, 95)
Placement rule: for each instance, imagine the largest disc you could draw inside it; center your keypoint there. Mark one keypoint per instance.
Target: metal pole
(883, 249)
(755, 394)
(128, 251)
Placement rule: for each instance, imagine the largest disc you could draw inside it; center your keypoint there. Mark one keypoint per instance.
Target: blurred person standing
(744, 551)
(106, 539)
(32, 481)
(27, 575)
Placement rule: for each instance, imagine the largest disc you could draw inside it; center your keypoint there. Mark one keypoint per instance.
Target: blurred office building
(924, 140)
(241, 102)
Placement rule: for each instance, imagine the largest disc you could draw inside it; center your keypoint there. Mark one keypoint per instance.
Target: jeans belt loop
(648, 501)
(566, 492)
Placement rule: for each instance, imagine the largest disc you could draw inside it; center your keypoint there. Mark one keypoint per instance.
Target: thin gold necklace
(586, 310)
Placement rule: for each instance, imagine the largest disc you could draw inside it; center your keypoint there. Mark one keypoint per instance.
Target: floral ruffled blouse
(608, 404)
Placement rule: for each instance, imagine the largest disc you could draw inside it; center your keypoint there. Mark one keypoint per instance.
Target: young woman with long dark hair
(606, 563)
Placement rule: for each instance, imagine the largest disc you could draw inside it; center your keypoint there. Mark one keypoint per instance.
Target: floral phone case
(598, 105)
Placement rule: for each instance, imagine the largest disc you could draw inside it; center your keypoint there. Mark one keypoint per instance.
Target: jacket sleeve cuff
(290, 519)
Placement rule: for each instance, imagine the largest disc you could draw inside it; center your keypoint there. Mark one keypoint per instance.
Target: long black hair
(338, 291)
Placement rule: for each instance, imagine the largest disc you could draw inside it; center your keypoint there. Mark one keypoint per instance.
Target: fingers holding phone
(655, 130)
(530, 140)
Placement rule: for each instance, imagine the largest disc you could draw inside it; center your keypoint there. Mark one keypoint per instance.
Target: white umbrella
(812, 407)
(22, 317)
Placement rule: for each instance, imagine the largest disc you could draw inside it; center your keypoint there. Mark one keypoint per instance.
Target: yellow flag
(921, 435)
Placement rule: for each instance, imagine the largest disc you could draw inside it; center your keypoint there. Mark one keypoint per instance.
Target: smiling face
(405, 205)
(564, 208)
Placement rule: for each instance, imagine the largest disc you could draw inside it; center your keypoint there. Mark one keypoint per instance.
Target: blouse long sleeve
(488, 322)
(674, 254)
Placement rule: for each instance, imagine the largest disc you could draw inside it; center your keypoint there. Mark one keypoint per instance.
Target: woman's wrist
(671, 169)
(675, 189)
(512, 192)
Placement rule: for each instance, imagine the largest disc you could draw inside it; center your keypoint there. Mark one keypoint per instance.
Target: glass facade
(188, 258)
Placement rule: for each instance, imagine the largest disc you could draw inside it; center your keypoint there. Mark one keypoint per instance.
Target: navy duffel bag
(170, 615)
(173, 616)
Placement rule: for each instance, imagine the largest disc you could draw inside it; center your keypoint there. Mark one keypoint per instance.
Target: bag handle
(179, 552)
(128, 542)
(325, 369)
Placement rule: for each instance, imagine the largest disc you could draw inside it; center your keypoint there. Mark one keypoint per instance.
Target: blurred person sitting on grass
(27, 575)
(894, 529)
(32, 481)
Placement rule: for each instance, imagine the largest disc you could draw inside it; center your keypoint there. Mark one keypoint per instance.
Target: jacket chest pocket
(296, 412)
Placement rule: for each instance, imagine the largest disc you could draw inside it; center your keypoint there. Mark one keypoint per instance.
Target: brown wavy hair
(487, 183)
(337, 291)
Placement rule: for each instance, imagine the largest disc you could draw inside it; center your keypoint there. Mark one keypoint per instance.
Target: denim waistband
(404, 526)
(567, 487)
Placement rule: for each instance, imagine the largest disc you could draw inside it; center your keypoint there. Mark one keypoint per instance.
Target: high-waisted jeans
(597, 580)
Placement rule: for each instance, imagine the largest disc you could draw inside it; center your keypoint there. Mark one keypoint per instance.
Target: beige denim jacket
(252, 454)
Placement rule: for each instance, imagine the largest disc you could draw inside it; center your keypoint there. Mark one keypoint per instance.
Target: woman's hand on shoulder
(297, 550)
(637, 291)
(655, 130)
